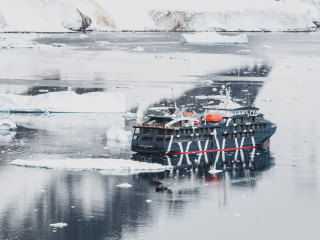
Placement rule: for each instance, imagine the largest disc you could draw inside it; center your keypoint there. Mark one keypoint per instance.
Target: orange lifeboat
(213, 118)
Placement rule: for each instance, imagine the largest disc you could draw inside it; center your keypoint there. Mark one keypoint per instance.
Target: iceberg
(213, 38)
(115, 133)
(63, 102)
(105, 165)
(7, 124)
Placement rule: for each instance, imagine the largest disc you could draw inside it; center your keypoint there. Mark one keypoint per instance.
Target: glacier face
(165, 15)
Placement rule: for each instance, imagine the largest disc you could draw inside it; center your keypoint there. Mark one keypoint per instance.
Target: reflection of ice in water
(6, 137)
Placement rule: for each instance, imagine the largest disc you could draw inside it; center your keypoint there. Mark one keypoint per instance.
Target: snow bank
(58, 225)
(115, 133)
(201, 15)
(234, 15)
(124, 185)
(213, 38)
(107, 165)
(7, 124)
(64, 102)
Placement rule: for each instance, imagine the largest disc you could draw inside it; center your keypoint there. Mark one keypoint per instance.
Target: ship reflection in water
(238, 164)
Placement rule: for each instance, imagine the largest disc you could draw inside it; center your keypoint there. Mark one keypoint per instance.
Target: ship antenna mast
(174, 100)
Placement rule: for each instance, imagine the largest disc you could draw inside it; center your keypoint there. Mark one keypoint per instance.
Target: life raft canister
(213, 118)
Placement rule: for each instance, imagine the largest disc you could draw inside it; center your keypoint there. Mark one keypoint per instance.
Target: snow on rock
(58, 225)
(213, 38)
(124, 185)
(234, 15)
(7, 124)
(66, 101)
(142, 15)
(107, 165)
(117, 134)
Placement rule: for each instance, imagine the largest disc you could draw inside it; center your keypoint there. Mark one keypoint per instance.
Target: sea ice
(213, 38)
(7, 124)
(124, 185)
(65, 101)
(58, 225)
(105, 165)
(148, 201)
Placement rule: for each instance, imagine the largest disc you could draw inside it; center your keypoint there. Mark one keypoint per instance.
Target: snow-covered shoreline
(151, 15)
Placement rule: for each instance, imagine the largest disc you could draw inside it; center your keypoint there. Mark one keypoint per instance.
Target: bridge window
(137, 131)
(169, 132)
(147, 139)
(161, 132)
(148, 131)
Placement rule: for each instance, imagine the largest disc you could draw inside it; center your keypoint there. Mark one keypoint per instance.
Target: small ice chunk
(148, 201)
(266, 46)
(7, 124)
(124, 185)
(137, 49)
(58, 44)
(82, 36)
(58, 225)
(206, 82)
(244, 50)
(236, 214)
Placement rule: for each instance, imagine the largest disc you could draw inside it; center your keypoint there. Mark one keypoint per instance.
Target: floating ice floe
(213, 38)
(106, 165)
(117, 134)
(63, 102)
(124, 185)
(148, 201)
(58, 225)
(206, 82)
(137, 49)
(7, 124)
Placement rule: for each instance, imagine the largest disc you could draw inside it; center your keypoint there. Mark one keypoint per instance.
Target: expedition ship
(229, 126)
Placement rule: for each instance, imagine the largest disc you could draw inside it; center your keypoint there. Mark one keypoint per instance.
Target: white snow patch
(115, 133)
(148, 201)
(58, 225)
(124, 185)
(7, 124)
(213, 38)
(66, 101)
(108, 165)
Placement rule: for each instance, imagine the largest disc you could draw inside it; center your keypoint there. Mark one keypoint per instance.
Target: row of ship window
(202, 138)
(162, 132)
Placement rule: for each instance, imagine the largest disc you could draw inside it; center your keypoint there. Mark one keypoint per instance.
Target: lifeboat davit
(213, 118)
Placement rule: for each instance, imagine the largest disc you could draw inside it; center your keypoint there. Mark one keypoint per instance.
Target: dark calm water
(257, 195)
